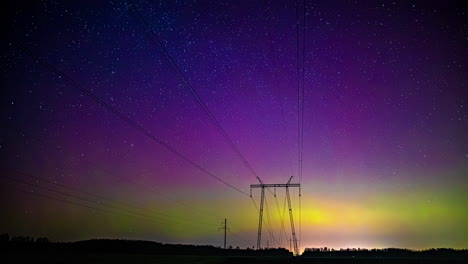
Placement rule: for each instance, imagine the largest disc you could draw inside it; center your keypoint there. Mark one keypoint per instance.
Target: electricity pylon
(262, 199)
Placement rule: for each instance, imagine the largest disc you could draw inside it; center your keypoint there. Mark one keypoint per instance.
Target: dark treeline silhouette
(20, 243)
(5, 238)
(19, 249)
(444, 253)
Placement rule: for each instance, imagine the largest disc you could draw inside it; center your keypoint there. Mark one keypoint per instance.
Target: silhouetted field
(387, 253)
(135, 258)
(116, 258)
(30, 250)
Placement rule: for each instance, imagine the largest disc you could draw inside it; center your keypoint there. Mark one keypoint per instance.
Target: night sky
(385, 145)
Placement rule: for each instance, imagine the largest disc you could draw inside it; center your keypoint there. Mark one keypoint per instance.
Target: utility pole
(225, 228)
(262, 199)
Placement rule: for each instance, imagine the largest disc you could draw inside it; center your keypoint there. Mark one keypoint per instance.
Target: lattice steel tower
(262, 199)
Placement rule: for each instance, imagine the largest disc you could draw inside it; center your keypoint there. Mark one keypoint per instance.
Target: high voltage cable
(304, 54)
(125, 118)
(239, 238)
(151, 189)
(257, 210)
(253, 202)
(300, 101)
(303, 88)
(284, 213)
(175, 68)
(69, 202)
(116, 209)
(42, 195)
(303, 85)
(270, 229)
(300, 92)
(113, 208)
(281, 217)
(148, 188)
(100, 197)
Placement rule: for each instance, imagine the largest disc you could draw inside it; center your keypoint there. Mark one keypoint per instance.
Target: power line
(48, 197)
(253, 202)
(270, 229)
(303, 86)
(113, 209)
(100, 197)
(300, 69)
(304, 54)
(262, 220)
(68, 202)
(300, 90)
(125, 118)
(239, 238)
(300, 100)
(281, 217)
(108, 207)
(186, 83)
(147, 188)
(153, 190)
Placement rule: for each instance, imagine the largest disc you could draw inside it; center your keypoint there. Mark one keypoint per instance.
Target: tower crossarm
(275, 185)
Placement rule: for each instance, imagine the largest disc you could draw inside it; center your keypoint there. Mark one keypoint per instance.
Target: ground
(91, 258)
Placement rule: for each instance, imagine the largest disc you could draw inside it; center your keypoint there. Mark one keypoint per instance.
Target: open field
(44, 257)
(39, 257)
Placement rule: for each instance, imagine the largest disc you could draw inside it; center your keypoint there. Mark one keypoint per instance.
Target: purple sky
(385, 119)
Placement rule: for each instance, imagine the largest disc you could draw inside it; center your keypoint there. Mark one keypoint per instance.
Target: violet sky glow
(385, 145)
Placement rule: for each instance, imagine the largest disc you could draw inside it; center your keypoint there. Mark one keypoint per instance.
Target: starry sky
(385, 151)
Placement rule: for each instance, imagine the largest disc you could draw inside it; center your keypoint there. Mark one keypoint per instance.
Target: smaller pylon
(225, 228)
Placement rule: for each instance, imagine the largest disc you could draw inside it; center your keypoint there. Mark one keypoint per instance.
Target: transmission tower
(262, 199)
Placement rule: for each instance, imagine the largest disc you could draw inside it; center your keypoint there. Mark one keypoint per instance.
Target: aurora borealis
(385, 122)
